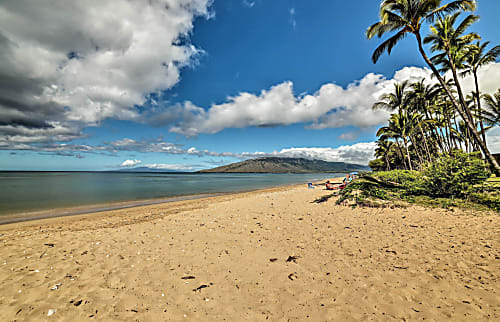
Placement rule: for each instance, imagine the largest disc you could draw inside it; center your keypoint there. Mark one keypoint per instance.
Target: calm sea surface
(34, 191)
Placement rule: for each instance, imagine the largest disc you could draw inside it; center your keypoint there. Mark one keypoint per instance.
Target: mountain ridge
(286, 165)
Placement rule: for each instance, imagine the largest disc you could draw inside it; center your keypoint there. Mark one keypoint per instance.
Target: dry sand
(225, 259)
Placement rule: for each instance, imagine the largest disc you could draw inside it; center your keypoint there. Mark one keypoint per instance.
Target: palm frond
(388, 45)
(379, 29)
(457, 5)
(491, 56)
(466, 23)
(427, 6)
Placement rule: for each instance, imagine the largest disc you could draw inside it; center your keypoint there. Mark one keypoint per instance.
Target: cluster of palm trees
(435, 115)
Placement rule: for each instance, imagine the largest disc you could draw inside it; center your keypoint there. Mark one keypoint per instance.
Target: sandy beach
(264, 255)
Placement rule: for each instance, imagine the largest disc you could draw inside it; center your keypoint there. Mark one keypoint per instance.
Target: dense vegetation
(433, 150)
(435, 117)
(452, 180)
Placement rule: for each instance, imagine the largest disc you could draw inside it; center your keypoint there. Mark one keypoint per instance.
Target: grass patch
(457, 180)
(366, 193)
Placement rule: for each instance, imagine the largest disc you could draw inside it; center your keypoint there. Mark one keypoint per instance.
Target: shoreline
(268, 254)
(65, 211)
(90, 209)
(106, 207)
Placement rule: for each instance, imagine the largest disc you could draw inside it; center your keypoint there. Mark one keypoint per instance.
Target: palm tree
(422, 127)
(383, 149)
(492, 111)
(406, 17)
(392, 132)
(451, 44)
(399, 128)
(414, 121)
(394, 100)
(476, 57)
(422, 97)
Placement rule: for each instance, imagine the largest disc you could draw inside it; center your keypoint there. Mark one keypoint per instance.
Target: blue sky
(283, 47)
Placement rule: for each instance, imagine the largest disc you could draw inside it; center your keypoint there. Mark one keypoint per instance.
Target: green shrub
(491, 200)
(360, 190)
(398, 176)
(412, 182)
(455, 179)
(454, 174)
(377, 164)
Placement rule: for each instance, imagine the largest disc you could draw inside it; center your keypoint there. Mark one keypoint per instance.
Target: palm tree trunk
(473, 144)
(459, 144)
(426, 146)
(417, 148)
(466, 141)
(448, 130)
(459, 88)
(401, 154)
(448, 137)
(437, 140)
(407, 152)
(478, 99)
(489, 157)
(387, 164)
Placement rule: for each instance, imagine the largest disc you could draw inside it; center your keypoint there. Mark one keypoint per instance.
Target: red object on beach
(330, 186)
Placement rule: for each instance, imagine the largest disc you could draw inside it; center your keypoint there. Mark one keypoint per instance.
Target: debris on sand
(77, 303)
(199, 288)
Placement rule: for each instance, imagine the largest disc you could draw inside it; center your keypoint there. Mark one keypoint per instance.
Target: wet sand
(265, 255)
(90, 209)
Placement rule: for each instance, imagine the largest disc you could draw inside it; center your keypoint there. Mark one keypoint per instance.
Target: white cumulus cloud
(360, 153)
(332, 106)
(165, 166)
(70, 64)
(130, 163)
(493, 139)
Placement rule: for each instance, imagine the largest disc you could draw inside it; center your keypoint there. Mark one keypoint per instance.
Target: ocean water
(34, 191)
